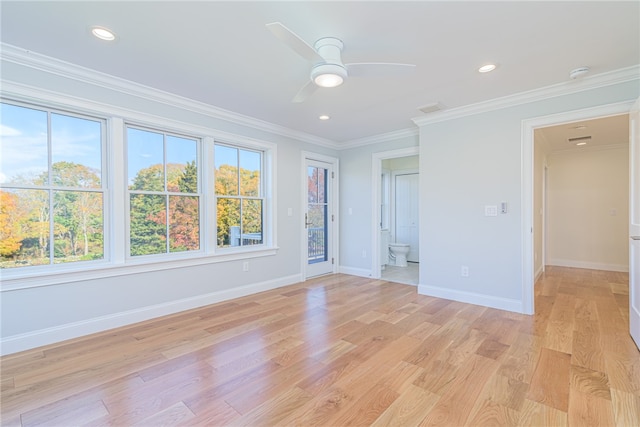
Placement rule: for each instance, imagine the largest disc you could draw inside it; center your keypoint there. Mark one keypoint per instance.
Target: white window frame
(50, 188)
(261, 197)
(164, 193)
(116, 262)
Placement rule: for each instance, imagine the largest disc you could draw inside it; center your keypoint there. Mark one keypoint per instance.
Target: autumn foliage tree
(10, 233)
(148, 230)
(26, 216)
(240, 208)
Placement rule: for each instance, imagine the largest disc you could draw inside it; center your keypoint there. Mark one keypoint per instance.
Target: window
(175, 200)
(164, 198)
(239, 196)
(52, 187)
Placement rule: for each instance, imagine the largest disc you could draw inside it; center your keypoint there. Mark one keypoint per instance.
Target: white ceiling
(221, 53)
(605, 131)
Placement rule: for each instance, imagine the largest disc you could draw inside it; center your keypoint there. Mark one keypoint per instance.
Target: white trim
(588, 265)
(566, 88)
(472, 298)
(354, 271)
(376, 172)
(538, 273)
(29, 340)
(75, 72)
(527, 157)
(133, 266)
(377, 139)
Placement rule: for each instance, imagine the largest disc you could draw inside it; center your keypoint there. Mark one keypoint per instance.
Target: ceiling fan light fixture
(328, 75)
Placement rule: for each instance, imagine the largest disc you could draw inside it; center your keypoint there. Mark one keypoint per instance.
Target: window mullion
(50, 189)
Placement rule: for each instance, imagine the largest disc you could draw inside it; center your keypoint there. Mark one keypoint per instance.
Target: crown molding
(383, 137)
(71, 71)
(566, 88)
(75, 72)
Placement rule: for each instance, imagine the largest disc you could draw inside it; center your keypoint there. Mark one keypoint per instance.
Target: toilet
(399, 252)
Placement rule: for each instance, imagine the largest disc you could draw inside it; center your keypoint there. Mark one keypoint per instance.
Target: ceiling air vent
(431, 108)
(579, 140)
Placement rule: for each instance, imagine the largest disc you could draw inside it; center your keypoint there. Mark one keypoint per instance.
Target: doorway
(386, 225)
(319, 220)
(531, 208)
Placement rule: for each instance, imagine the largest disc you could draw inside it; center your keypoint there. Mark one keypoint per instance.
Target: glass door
(319, 219)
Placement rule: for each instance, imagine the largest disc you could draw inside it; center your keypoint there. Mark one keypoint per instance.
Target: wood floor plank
(538, 414)
(409, 409)
(550, 382)
(589, 410)
(455, 406)
(626, 408)
(345, 350)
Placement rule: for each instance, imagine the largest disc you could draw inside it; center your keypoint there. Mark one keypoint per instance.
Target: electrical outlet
(245, 266)
(464, 271)
(364, 254)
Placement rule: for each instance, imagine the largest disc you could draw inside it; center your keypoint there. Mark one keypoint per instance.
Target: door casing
(333, 210)
(528, 127)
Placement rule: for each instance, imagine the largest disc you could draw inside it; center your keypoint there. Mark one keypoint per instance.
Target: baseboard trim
(589, 265)
(472, 298)
(30, 340)
(353, 271)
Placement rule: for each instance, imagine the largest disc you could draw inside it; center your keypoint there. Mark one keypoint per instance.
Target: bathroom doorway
(395, 202)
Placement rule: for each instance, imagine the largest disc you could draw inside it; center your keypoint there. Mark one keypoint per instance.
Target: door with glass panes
(319, 218)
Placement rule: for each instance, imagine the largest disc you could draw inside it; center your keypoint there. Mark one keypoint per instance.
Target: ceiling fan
(328, 70)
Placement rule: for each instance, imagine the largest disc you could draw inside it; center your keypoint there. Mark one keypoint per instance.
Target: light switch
(491, 210)
(289, 211)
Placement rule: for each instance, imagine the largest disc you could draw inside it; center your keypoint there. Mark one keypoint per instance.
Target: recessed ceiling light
(103, 33)
(487, 68)
(324, 117)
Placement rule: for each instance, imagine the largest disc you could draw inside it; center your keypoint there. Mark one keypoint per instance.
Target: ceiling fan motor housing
(331, 72)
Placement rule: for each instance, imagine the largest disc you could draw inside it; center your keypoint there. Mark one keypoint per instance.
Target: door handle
(635, 237)
(306, 222)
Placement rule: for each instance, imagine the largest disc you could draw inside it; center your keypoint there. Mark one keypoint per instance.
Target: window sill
(100, 270)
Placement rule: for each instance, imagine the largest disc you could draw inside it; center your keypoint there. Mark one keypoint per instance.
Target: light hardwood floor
(342, 350)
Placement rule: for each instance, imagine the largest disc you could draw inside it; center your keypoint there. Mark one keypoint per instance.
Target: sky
(24, 153)
(23, 143)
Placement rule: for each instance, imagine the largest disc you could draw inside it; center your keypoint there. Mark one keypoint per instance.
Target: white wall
(473, 161)
(401, 163)
(588, 209)
(39, 315)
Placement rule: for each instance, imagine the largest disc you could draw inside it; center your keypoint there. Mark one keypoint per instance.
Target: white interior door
(634, 222)
(406, 213)
(319, 218)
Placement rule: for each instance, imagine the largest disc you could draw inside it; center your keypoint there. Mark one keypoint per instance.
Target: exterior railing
(316, 242)
(244, 239)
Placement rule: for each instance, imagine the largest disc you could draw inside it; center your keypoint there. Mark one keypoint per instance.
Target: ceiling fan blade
(305, 92)
(292, 40)
(379, 69)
